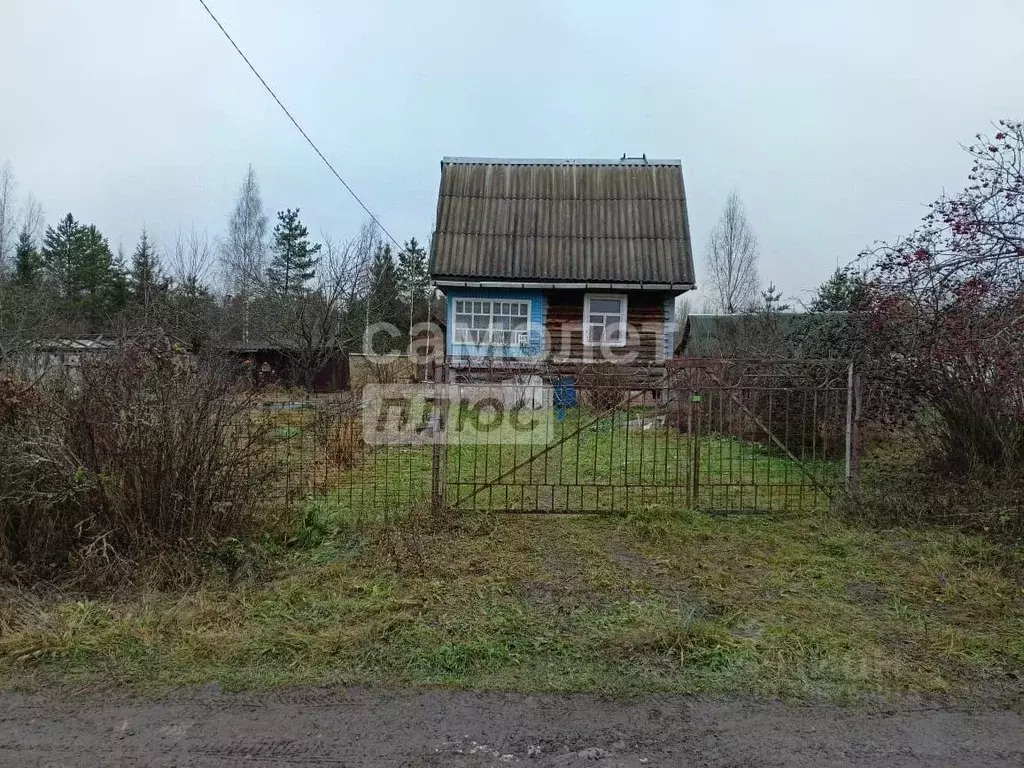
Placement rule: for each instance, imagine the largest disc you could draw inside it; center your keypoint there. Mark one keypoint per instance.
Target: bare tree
(732, 259)
(32, 218)
(8, 217)
(313, 328)
(244, 250)
(29, 315)
(191, 263)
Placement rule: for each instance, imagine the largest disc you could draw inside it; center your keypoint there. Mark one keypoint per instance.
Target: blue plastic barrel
(564, 395)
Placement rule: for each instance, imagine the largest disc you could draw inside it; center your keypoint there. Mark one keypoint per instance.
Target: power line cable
(299, 127)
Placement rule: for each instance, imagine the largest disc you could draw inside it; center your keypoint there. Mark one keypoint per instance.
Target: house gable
(541, 236)
(601, 224)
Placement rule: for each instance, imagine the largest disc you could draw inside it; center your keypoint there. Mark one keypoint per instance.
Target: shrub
(390, 369)
(944, 307)
(800, 404)
(906, 481)
(339, 435)
(603, 386)
(144, 454)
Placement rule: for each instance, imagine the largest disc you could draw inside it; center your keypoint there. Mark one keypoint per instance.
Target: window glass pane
(596, 333)
(605, 305)
(491, 323)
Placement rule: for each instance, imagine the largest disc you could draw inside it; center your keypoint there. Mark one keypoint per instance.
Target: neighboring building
(48, 357)
(66, 357)
(551, 259)
(276, 363)
(766, 335)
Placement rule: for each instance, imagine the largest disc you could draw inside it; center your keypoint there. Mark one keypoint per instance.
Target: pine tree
(117, 291)
(414, 280)
(101, 278)
(842, 292)
(61, 255)
(78, 261)
(838, 330)
(294, 259)
(383, 302)
(412, 270)
(771, 299)
(27, 260)
(146, 281)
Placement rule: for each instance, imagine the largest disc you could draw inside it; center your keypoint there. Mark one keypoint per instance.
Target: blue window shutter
(538, 315)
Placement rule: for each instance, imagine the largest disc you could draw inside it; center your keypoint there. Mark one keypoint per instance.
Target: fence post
(853, 413)
(437, 456)
(695, 436)
(858, 438)
(689, 435)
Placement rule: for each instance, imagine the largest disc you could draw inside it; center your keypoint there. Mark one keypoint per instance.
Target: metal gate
(715, 435)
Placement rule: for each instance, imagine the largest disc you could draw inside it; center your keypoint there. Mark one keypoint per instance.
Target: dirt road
(356, 727)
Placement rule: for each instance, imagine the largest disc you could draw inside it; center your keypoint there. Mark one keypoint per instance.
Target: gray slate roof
(615, 221)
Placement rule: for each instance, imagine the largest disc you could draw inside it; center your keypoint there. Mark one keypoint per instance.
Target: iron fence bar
(774, 439)
(547, 449)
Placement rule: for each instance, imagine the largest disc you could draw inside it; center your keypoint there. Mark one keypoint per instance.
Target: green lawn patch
(799, 606)
(588, 465)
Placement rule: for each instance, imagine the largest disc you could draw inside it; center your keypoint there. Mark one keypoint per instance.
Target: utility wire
(299, 127)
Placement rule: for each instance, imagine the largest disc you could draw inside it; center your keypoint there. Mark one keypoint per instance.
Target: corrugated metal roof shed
(761, 334)
(614, 221)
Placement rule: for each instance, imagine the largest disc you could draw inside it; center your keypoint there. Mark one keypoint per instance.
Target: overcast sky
(834, 121)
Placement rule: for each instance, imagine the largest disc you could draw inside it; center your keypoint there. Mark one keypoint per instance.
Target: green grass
(799, 606)
(588, 467)
(656, 596)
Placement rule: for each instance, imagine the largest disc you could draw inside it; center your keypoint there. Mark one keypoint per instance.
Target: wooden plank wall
(645, 316)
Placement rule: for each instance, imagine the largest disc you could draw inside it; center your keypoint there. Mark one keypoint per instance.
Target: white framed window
(492, 322)
(604, 319)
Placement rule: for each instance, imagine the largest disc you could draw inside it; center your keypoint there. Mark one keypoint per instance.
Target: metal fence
(717, 435)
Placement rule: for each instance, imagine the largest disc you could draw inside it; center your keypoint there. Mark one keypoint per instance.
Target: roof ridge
(614, 161)
(667, 238)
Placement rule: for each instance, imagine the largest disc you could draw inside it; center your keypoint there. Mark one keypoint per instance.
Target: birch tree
(8, 219)
(732, 260)
(244, 249)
